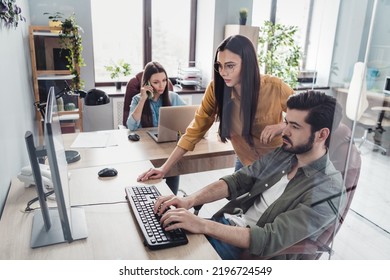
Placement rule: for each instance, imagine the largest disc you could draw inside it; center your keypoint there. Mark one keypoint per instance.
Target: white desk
(112, 231)
(209, 153)
(113, 234)
(375, 97)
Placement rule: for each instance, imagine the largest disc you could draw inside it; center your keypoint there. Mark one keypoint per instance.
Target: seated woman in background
(145, 106)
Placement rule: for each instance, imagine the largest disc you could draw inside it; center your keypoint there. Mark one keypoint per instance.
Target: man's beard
(300, 149)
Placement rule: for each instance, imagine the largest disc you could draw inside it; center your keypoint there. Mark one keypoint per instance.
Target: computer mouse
(108, 172)
(133, 137)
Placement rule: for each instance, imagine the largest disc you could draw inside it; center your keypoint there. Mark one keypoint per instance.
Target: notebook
(173, 122)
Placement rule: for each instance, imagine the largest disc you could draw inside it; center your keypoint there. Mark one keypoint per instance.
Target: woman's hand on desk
(152, 173)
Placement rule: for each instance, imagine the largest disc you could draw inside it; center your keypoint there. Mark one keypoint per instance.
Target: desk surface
(112, 232)
(208, 154)
(114, 92)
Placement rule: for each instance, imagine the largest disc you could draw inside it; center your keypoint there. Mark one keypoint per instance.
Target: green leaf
(278, 52)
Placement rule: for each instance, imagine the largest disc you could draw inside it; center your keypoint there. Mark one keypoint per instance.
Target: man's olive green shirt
(307, 206)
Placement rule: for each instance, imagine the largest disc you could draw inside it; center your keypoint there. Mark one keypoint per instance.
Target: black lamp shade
(96, 97)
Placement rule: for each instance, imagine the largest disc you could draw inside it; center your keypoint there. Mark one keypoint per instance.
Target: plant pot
(118, 85)
(56, 24)
(242, 21)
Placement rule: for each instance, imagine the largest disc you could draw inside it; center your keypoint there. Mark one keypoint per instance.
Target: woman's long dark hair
(250, 87)
(150, 69)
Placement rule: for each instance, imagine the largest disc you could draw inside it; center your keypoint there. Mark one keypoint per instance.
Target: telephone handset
(150, 94)
(26, 176)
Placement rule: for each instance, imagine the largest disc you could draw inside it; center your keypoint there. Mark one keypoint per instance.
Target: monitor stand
(71, 155)
(41, 237)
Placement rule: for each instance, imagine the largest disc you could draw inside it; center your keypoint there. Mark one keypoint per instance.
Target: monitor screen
(386, 88)
(67, 223)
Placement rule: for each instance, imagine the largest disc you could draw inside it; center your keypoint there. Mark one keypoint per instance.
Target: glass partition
(338, 34)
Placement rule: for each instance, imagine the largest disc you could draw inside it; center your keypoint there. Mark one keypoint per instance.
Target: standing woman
(248, 105)
(145, 106)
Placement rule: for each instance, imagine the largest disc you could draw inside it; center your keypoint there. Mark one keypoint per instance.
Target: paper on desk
(99, 139)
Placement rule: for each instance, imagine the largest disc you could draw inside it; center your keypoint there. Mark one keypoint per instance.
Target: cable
(32, 201)
(100, 203)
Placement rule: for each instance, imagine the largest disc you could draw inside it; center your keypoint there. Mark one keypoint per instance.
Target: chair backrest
(348, 162)
(133, 87)
(357, 101)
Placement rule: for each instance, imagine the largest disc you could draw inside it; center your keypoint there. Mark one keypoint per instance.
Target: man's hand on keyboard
(184, 219)
(164, 203)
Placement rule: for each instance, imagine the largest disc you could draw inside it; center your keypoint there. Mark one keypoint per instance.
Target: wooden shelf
(48, 71)
(53, 75)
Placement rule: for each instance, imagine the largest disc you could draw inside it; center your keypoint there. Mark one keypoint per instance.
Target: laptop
(173, 122)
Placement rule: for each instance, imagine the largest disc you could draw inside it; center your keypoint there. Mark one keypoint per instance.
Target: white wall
(17, 113)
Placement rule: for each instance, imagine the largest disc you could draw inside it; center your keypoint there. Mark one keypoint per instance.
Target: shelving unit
(252, 32)
(48, 64)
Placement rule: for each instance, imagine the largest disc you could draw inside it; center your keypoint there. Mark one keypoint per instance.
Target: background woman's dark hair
(250, 86)
(324, 110)
(150, 69)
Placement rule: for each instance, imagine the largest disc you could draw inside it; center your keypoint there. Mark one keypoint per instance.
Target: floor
(365, 234)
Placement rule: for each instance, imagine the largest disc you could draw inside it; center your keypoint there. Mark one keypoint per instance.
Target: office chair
(346, 158)
(356, 109)
(133, 87)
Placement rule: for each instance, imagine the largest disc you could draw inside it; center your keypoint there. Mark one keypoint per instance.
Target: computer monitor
(386, 88)
(67, 223)
(43, 213)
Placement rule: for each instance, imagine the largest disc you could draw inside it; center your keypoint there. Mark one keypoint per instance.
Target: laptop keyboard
(141, 200)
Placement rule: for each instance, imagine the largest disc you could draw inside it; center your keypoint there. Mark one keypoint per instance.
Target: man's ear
(323, 134)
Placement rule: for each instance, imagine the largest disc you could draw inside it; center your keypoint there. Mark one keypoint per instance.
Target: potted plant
(71, 40)
(117, 70)
(279, 53)
(55, 20)
(243, 15)
(10, 13)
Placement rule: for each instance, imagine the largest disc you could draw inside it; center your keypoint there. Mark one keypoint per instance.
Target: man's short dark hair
(324, 110)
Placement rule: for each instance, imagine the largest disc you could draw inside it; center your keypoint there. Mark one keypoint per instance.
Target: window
(138, 31)
(117, 34)
(316, 21)
(171, 33)
(284, 12)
